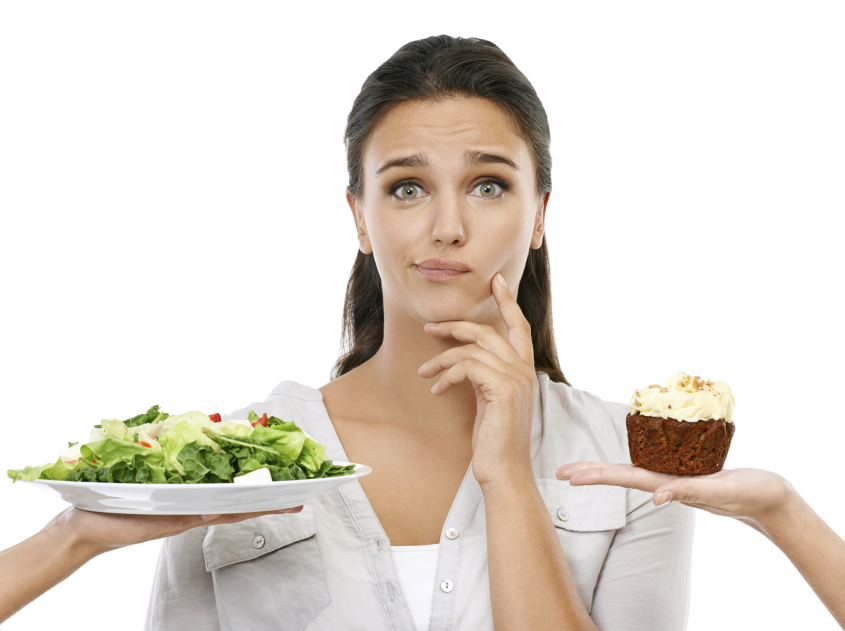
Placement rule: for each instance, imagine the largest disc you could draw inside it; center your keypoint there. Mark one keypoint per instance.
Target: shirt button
(258, 542)
(452, 533)
(447, 586)
(562, 514)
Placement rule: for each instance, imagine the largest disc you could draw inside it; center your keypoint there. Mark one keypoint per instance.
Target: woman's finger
(192, 521)
(484, 335)
(717, 492)
(490, 381)
(450, 357)
(519, 331)
(700, 491)
(565, 470)
(108, 531)
(625, 475)
(516, 348)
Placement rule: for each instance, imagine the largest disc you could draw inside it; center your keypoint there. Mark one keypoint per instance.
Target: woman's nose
(449, 221)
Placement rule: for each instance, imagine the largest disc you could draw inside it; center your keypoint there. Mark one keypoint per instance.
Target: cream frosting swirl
(685, 398)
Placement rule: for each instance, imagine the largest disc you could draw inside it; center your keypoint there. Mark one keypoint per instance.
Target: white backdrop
(172, 193)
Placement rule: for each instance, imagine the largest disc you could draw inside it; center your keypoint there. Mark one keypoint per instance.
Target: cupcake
(684, 427)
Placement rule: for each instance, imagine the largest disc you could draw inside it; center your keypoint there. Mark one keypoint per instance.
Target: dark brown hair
(434, 69)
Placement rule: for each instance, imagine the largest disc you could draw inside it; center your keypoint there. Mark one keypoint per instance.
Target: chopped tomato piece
(144, 443)
(262, 421)
(93, 462)
(215, 418)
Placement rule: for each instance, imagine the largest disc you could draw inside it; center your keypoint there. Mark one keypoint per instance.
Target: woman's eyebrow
(470, 158)
(415, 160)
(479, 157)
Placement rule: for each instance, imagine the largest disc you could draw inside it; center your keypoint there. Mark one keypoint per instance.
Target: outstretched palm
(739, 493)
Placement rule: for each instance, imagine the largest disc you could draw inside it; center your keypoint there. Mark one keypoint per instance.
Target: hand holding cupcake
(678, 437)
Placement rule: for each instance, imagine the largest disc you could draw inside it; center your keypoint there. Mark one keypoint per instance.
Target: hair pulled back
(434, 69)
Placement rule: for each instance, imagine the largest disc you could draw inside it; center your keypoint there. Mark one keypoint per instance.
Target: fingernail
(209, 517)
(664, 498)
(432, 323)
(564, 475)
(501, 279)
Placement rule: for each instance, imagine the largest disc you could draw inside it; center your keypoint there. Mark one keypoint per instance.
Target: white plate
(195, 499)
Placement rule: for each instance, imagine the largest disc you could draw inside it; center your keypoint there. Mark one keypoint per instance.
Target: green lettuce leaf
(140, 469)
(179, 435)
(202, 464)
(50, 471)
(151, 416)
(230, 428)
(286, 439)
(312, 456)
(109, 451)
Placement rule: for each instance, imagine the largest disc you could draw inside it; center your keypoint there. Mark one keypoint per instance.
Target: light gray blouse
(329, 567)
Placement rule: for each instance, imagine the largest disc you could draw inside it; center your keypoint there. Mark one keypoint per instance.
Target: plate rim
(360, 471)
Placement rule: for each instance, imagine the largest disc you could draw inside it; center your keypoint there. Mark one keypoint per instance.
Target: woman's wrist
(778, 520)
(508, 481)
(71, 541)
(35, 565)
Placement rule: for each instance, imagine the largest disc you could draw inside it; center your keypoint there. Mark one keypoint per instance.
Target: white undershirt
(416, 568)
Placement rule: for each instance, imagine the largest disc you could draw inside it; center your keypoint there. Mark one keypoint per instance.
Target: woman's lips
(438, 275)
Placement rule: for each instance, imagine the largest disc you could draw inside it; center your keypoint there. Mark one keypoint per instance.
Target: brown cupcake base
(679, 447)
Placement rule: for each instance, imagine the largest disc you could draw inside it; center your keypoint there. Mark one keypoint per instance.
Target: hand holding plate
(101, 532)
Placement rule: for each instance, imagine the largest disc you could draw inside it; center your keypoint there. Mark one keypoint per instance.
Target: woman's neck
(392, 372)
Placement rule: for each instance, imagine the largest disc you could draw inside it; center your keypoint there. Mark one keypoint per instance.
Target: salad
(190, 448)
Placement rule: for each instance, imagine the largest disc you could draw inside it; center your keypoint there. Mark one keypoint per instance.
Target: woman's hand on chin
(502, 372)
(750, 495)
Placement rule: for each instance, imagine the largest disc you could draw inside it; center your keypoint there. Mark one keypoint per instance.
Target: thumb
(683, 490)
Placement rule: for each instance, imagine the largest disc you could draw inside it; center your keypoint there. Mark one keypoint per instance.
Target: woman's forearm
(815, 550)
(33, 566)
(530, 583)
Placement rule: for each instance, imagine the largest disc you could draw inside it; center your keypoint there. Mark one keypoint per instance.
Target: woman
(464, 476)
(463, 524)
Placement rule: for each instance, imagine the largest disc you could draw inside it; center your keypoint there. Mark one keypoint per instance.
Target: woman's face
(448, 179)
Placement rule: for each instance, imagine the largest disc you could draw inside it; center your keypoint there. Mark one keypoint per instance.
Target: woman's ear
(360, 222)
(540, 223)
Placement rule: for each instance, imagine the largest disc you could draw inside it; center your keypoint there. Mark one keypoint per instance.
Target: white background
(174, 231)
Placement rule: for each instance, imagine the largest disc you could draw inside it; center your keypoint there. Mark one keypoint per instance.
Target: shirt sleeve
(183, 591)
(645, 580)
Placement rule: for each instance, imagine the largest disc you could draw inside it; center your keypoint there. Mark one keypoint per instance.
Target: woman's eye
(488, 189)
(407, 191)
